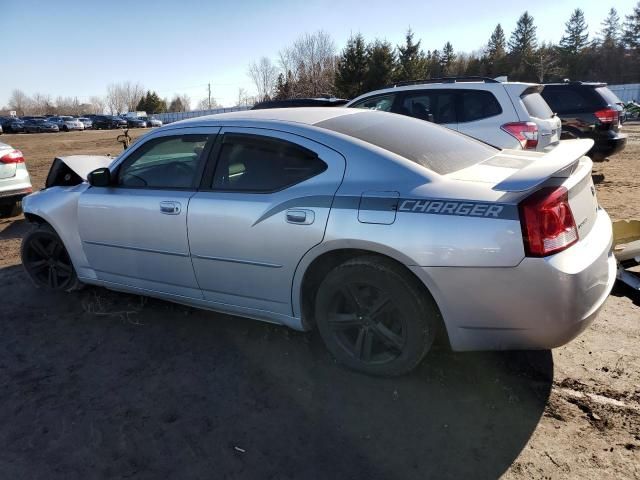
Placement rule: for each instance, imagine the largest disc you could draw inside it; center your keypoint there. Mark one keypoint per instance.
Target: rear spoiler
(561, 159)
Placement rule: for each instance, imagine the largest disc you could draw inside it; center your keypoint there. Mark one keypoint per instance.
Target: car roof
(303, 115)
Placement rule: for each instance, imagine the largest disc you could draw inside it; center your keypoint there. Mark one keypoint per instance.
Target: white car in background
(15, 182)
(506, 115)
(152, 121)
(66, 123)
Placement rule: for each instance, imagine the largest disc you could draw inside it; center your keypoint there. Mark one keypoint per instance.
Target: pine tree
(381, 63)
(576, 36)
(610, 33)
(447, 59)
(496, 48)
(434, 64)
(522, 47)
(352, 68)
(411, 60)
(631, 35)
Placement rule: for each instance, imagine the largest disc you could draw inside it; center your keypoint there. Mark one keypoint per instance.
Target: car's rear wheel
(65, 129)
(374, 317)
(47, 261)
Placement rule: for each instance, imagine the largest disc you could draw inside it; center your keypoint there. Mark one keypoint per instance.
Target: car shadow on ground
(623, 290)
(98, 384)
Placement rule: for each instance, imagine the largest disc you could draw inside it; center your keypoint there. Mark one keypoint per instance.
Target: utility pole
(209, 86)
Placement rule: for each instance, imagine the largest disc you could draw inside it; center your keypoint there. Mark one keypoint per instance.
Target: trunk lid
(521, 173)
(549, 125)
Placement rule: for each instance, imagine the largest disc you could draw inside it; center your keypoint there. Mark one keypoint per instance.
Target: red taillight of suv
(525, 132)
(15, 156)
(607, 115)
(547, 222)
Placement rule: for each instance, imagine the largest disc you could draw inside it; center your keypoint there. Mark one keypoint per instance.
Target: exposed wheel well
(321, 266)
(33, 218)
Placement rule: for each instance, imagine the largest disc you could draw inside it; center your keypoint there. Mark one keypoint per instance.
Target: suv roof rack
(445, 80)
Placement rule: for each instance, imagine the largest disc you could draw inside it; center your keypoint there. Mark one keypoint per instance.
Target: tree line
(120, 98)
(311, 67)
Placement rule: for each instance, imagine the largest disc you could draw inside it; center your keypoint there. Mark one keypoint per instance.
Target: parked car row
(511, 115)
(67, 123)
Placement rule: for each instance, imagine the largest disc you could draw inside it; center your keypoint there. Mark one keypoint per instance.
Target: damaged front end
(73, 169)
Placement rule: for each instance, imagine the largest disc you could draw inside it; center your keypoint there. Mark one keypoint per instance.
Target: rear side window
(379, 102)
(433, 106)
(259, 164)
(536, 106)
(568, 99)
(477, 105)
(436, 148)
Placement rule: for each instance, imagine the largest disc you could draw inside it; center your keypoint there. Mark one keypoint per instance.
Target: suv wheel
(374, 318)
(46, 260)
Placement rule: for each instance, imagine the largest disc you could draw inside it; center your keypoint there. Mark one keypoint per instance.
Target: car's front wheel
(47, 261)
(374, 317)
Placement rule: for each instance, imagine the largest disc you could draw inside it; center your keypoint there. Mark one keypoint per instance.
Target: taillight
(547, 222)
(525, 132)
(607, 115)
(15, 156)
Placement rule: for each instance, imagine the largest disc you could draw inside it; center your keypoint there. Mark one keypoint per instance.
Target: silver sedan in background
(67, 123)
(378, 229)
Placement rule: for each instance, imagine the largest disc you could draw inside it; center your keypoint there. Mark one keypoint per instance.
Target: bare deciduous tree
(203, 104)
(311, 60)
(19, 101)
(97, 104)
(264, 75)
(116, 99)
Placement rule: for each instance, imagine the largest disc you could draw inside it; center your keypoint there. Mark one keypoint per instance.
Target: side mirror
(100, 177)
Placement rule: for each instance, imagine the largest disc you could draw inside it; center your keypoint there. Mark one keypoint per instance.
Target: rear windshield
(536, 105)
(608, 95)
(436, 148)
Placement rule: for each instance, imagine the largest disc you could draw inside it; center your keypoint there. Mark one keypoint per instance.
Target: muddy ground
(105, 385)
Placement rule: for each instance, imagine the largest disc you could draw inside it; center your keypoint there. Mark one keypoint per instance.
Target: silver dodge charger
(378, 229)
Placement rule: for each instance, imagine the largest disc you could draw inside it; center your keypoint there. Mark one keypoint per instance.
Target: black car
(588, 110)
(300, 102)
(108, 122)
(11, 125)
(39, 125)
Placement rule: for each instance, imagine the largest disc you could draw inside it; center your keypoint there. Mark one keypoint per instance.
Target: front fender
(58, 206)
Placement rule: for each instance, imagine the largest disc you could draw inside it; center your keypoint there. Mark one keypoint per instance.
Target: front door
(134, 232)
(266, 205)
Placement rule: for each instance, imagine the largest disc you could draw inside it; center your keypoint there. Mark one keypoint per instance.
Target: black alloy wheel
(46, 260)
(375, 317)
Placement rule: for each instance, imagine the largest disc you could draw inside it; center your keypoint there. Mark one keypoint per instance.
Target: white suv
(502, 114)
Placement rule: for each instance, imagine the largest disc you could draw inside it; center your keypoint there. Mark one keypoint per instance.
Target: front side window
(255, 163)
(379, 102)
(478, 105)
(166, 162)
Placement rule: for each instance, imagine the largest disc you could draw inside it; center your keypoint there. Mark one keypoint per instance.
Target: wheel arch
(319, 261)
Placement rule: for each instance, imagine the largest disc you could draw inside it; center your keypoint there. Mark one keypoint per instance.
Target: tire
(374, 317)
(65, 129)
(46, 261)
(11, 210)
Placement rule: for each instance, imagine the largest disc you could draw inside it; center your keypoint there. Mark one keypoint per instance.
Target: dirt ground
(105, 385)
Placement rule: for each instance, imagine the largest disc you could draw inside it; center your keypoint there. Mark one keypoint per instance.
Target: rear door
(265, 205)
(477, 115)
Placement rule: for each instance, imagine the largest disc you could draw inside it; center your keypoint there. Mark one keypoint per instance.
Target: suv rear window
(608, 95)
(569, 98)
(536, 106)
(436, 148)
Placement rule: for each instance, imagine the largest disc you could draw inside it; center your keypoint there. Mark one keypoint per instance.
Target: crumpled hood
(83, 164)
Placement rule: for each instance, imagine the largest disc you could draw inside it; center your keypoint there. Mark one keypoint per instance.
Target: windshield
(436, 148)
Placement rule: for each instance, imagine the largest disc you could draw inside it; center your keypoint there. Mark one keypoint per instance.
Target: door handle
(170, 208)
(300, 216)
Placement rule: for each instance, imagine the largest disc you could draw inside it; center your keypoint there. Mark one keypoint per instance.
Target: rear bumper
(541, 303)
(610, 145)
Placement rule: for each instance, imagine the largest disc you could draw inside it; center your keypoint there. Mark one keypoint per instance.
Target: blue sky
(76, 48)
